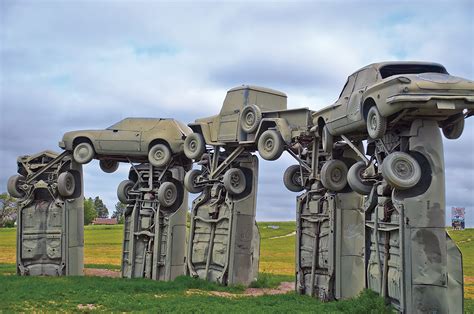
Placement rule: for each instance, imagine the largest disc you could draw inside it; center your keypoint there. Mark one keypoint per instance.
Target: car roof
(258, 89)
(378, 65)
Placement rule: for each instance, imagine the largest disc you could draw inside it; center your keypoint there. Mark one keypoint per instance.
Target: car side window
(348, 87)
(365, 78)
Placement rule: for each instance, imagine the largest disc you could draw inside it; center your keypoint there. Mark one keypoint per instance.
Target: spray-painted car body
(225, 128)
(50, 227)
(131, 138)
(410, 89)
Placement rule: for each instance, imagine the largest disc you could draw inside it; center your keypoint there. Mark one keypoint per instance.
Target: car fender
(70, 137)
(203, 129)
(279, 124)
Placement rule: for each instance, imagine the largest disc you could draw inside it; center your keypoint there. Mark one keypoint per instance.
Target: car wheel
(292, 178)
(167, 194)
(66, 184)
(108, 166)
(376, 124)
(159, 155)
(454, 131)
(270, 145)
(83, 153)
(250, 118)
(234, 181)
(123, 191)
(13, 186)
(354, 179)
(401, 170)
(327, 140)
(334, 175)
(190, 181)
(194, 146)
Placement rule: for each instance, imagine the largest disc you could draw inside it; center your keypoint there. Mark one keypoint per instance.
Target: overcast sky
(74, 65)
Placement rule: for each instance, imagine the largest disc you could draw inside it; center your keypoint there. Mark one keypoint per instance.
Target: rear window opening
(396, 69)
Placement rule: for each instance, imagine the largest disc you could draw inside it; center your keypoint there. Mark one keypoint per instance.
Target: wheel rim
(296, 178)
(269, 144)
(235, 180)
(69, 183)
(83, 152)
(336, 175)
(193, 145)
(250, 118)
(403, 169)
(159, 155)
(373, 122)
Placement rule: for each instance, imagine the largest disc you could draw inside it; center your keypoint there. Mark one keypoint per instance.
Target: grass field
(103, 250)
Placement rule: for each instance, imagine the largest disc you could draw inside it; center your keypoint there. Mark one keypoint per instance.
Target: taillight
(404, 80)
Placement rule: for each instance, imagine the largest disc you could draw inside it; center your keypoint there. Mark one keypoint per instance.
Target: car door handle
(361, 91)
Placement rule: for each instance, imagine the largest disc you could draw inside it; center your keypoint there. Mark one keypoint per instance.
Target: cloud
(78, 65)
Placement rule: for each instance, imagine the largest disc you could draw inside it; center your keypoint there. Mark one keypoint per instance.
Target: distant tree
(101, 209)
(89, 211)
(118, 213)
(8, 210)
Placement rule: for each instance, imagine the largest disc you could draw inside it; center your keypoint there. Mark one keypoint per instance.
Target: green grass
(103, 245)
(465, 241)
(182, 295)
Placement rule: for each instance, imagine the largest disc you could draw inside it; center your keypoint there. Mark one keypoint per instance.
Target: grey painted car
(132, 139)
(384, 94)
(253, 117)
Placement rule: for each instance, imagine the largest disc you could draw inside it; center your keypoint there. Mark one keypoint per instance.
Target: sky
(72, 65)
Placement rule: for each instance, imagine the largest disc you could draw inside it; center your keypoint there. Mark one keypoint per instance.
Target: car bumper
(468, 100)
(62, 144)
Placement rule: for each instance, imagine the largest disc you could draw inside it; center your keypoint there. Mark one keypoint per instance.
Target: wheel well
(265, 125)
(368, 103)
(81, 139)
(159, 141)
(321, 125)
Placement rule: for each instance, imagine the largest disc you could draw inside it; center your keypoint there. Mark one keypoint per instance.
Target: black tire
(159, 155)
(327, 140)
(83, 153)
(123, 191)
(454, 131)
(250, 118)
(66, 184)
(108, 166)
(401, 170)
(190, 181)
(234, 181)
(292, 178)
(167, 194)
(13, 186)
(334, 175)
(376, 124)
(194, 146)
(270, 145)
(354, 179)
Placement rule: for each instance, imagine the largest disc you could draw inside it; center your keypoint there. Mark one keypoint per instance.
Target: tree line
(93, 208)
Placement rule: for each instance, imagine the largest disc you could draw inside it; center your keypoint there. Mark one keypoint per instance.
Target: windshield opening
(396, 69)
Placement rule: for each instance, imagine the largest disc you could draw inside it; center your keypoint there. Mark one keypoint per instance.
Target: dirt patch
(86, 307)
(98, 272)
(283, 288)
(284, 236)
(469, 279)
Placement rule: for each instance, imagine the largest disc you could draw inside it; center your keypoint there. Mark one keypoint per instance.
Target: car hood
(441, 81)
(73, 134)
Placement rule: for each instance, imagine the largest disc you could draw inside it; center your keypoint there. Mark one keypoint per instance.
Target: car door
(364, 78)
(339, 117)
(228, 122)
(120, 139)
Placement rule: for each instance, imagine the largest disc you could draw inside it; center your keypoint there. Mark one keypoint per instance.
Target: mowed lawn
(103, 245)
